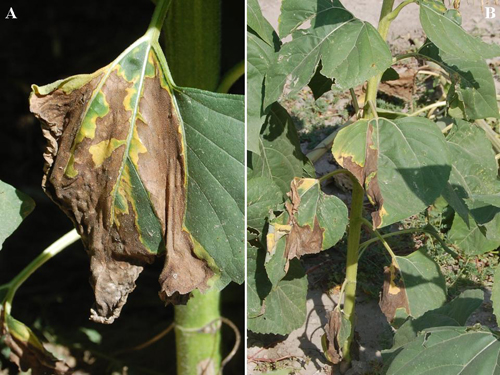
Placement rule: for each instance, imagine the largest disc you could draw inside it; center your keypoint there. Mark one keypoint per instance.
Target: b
(490, 12)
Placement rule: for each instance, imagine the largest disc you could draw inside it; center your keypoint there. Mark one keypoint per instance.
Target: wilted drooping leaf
(413, 285)
(403, 164)
(313, 222)
(143, 169)
(14, 207)
(26, 350)
(337, 333)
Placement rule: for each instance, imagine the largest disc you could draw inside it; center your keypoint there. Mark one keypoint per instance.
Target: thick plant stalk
(192, 46)
(356, 214)
(354, 235)
(197, 334)
(383, 28)
(192, 43)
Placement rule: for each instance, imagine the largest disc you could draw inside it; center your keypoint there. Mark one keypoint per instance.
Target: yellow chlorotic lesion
(123, 196)
(98, 108)
(381, 213)
(393, 288)
(103, 150)
(127, 101)
(306, 184)
(136, 147)
(202, 254)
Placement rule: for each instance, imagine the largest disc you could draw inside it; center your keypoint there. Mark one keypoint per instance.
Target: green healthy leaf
(215, 138)
(473, 85)
(403, 164)
(259, 57)
(144, 168)
(414, 283)
(473, 175)
(14, 207)
(447, 350)
(314, 221)
(281, 158)
(475, 239)
(257, 22)
(454, 313)
(258, 285)
(448, 36)
(262, 195)
(495, 293)
(351, 50)
(285, 306)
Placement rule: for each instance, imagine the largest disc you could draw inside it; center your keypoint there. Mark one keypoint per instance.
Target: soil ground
(301, 351)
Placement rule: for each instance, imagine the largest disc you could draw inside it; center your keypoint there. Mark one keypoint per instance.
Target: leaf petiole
(157, 19)
(54, 249)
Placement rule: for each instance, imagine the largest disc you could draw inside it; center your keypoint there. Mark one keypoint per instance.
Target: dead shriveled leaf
(337, 330)
(26, 350)
(117, 164)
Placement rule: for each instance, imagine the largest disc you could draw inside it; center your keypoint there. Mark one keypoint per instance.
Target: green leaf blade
(448, 36)
(359, 51)
(214, 214)
(15, 206)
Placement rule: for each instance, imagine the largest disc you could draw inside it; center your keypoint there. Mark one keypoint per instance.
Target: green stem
(197, 334)
(158, 19)
(354, 100)
(383, 28)
(353, 237)
(377, 234)
(413, 230)
(405, 56)
(336, 172)
(391, 16)
(230, 78)
(40, 260)
(433, 105)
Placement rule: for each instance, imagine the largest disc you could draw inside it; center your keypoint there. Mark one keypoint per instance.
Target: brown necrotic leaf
(116, 165)
(26, 350)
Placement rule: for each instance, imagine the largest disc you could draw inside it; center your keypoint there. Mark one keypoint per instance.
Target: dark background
(51, 40)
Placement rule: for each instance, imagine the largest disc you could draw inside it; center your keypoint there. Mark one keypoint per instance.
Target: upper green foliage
(351, 50)
(262, 42)
(449, 37)
(14, 207)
